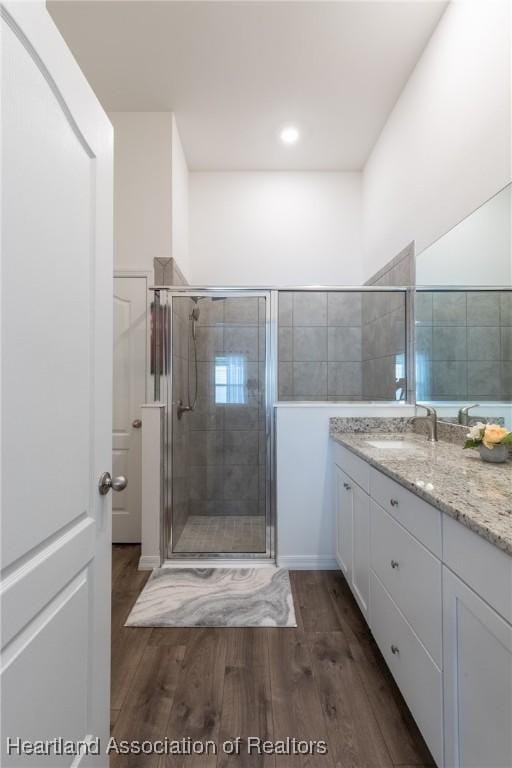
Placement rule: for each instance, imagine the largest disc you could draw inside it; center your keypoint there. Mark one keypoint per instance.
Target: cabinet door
(360, 547)
(477, 680)
(344, 522)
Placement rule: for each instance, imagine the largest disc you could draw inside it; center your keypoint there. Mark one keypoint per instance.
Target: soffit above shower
(235, 72)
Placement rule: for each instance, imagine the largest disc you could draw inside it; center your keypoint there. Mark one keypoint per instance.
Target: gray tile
(205, 483)
(309, 344)
(483, 308)
(241, 483)
(344, 308)
(506, 343)
(483, 380)
(285, 353)
(285, 380)
(210, 343)
(423, 308)
(506, 307)
(210, 312)
(309, 308)
(506, 381)
(241, 311)
(344, 344)
(206, 448)
(483, 343)
(285, 308)
(344, 379)
(449, 343)
(449, 379)
(449, 308)
(241, 417)
(424, 341)
(240, 447)
(310, 379)
(240, 340)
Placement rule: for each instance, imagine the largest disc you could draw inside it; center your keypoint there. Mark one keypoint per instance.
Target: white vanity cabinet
(438, 600)
(353, 536)
(477, 680)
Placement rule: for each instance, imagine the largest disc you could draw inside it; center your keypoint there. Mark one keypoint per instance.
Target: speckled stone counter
(477, 494)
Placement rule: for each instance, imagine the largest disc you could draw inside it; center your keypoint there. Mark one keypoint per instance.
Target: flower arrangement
(491, 440)
(488, 435)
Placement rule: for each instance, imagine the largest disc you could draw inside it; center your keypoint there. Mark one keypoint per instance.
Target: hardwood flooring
(325, 680)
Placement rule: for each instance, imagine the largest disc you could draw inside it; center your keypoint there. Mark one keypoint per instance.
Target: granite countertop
(456, 481)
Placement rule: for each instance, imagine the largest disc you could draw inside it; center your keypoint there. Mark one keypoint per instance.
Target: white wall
(445, 148)
(142, 188)
(305, 486)
(179, 203)
(278, 228)
(478, 251)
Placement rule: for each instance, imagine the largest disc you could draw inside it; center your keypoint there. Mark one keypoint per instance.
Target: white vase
(496, 455)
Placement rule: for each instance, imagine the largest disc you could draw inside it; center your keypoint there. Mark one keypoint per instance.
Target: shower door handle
(106, 482)
(137, 423)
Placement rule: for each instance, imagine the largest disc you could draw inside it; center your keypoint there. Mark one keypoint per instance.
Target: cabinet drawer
(418, 517)
(417, 676)
(356, 468)
(480, 564)
(412, 576)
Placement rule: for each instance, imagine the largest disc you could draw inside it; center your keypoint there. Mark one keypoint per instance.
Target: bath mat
(215, 597)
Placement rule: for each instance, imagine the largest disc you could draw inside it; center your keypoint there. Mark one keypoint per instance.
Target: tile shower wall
(338, 345)
(464, 345)
(227, 440)
(319, 346)
(384, 345)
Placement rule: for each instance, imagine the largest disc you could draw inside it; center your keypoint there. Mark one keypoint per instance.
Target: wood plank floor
(325, 680)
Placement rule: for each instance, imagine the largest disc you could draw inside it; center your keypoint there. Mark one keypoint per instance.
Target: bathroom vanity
(424, 540)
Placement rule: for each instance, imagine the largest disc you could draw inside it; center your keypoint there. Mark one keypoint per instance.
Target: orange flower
(493, 435)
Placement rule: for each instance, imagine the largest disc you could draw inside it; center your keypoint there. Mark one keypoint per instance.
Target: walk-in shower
(221, 359)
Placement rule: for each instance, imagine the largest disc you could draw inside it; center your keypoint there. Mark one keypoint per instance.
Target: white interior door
(129, 393)
(56, 394)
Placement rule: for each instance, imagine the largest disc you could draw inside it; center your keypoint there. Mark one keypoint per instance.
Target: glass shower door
(219, 464)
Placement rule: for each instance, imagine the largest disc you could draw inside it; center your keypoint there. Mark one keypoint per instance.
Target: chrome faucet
(463, 417)
(430, 419)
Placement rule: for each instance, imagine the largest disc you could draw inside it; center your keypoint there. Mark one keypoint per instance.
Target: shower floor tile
(222, 533)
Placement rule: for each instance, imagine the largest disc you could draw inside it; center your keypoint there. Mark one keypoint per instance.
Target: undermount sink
(393, 445)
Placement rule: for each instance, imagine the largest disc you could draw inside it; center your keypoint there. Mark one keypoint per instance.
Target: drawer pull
(393, 502)
(395, 564)
(395, 650)
(347, 487)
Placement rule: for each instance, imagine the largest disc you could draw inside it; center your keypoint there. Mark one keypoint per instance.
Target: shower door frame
(269, 555)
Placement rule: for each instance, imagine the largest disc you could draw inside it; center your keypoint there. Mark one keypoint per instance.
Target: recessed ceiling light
(289, 135)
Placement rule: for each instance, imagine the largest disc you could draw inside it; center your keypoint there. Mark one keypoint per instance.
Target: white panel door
(361, 547)
(129, 393)
(477, 680)
(56, 394)
(344, 502)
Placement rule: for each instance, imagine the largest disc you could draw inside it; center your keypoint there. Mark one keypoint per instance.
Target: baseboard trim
(149, 562)
(308, 562)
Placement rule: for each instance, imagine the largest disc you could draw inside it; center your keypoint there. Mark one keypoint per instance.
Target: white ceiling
(235, 72)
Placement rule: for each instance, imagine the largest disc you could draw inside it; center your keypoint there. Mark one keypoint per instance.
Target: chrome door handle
(137, 423)
(106, 482)
(346, 486)
(395, 563)
(395, 650)
(393, 502)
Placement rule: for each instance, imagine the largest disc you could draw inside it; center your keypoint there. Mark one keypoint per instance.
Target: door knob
(106, 482)
(137, 423)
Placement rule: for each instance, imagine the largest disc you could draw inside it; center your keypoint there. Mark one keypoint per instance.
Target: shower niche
(218, 426)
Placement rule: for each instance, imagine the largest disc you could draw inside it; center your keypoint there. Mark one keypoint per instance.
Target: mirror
(463, 327)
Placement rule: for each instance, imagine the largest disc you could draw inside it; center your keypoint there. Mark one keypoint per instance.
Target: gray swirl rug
(215, 597)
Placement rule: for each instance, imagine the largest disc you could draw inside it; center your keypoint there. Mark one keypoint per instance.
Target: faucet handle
(431, 411)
